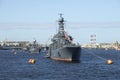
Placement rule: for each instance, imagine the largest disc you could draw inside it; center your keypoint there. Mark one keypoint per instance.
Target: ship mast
(61, 24)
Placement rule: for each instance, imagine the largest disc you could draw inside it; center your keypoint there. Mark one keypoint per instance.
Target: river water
(92, 66)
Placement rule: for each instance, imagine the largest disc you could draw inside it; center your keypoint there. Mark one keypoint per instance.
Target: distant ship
(62, 47)
(34, 48)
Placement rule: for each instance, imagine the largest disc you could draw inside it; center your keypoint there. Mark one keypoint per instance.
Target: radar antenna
(61, 15)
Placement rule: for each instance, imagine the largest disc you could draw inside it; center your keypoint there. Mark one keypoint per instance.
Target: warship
(34, 48)
(62, 47)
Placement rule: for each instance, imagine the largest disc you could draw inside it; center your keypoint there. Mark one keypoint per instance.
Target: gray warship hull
(69, 53)
(62, 47)
(34, 50)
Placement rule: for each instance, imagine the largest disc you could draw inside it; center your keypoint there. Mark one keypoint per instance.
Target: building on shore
(15, 43)
(114, 45)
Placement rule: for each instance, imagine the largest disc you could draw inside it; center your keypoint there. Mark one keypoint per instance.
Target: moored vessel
(34, 48)
(62, 47)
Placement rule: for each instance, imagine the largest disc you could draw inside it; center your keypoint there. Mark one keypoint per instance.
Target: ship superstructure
(62, 46)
